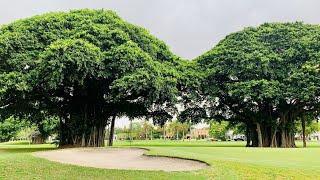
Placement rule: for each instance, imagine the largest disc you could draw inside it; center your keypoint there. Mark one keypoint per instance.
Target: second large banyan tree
(267, 78)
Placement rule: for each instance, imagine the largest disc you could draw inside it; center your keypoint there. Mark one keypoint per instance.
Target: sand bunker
(119, 158)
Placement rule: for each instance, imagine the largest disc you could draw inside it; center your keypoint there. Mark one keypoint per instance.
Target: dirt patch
(119, 158)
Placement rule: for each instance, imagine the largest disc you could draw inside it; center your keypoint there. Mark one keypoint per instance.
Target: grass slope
(17, 162)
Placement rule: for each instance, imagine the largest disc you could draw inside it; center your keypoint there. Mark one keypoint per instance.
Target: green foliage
(161, 118)
(218, 130)
(10, 127)
(311, 127)
(80, 60)
(26, 132)
(12, 81)
(49, 126)
(268, 63)
(192, 115)
(15, 128)
(178, 129)
(84, 66)
(136, 130)
(238, 128)
(267, 75)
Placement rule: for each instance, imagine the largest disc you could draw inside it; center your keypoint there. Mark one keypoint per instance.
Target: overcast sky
(189, 27)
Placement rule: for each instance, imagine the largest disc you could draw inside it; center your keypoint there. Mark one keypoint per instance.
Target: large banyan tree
(86, 67)
(267, 78)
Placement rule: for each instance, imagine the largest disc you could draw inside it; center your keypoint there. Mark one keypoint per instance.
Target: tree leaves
(84, 66)
(264, 72)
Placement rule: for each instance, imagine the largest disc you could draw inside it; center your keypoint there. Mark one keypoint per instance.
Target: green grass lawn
(228, 160)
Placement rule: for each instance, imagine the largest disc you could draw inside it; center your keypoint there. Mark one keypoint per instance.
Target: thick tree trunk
(254, 137)
(262, 135)
(260, 143)
(274, 142)
(37, 139)
(94, 137)
(177, 135)
(249, 136)
(266, 135)
(151, 136)
(303, 124)
(83, 130)
(111, 136)
(82, 120)
(64, 135)
(284, 138)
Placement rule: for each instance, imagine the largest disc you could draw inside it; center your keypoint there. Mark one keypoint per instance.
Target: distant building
(312, 137)
(201, 133)
(229, 135)
(315, 136)
(36, 138)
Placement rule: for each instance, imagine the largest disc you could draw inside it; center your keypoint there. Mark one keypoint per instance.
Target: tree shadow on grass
(24, 150)
(23, 147)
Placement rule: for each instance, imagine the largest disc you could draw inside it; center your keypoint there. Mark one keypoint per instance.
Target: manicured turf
(17, 162)
(185, 143)
(227, 159)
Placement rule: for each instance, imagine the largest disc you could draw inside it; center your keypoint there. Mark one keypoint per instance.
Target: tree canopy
(87, 67)
(266, 77)
(84, 66)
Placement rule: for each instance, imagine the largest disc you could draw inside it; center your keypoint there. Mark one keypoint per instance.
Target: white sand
(119, 158)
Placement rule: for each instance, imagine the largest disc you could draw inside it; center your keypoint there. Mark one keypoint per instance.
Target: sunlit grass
(228, 160)
(175, 143)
